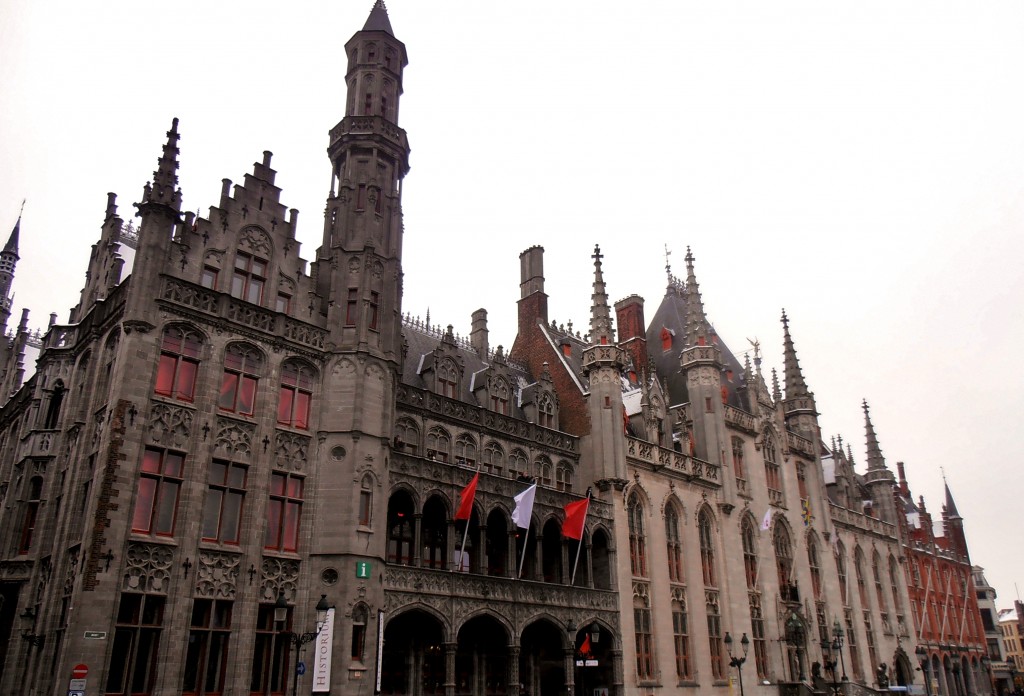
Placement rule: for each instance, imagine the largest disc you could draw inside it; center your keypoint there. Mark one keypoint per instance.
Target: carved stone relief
(170, 425)
(217, 575)
(148, 568)
(291, 450)
(234, 439)
(278, 575)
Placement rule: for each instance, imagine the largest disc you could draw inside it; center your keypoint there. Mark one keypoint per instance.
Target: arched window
(772, 472)
(517, 463)
(644, 639)
(897, 603)
(497, 543)
(360, 617)
(493, 458)
(242, 366)
(783, 558)
(293, 403)
(758, 635)
(447, 376)
(673, 543)
(637, 540)
(407, 436)
(500, 395)
(841, 571)
(53, 410)
(858, 569)
(28, 525)
(366, 501)
(439, 444)
(249, 278)
(876, 575)
(544, 471)
(707, 548)
(179, 363)
(815, 564)
(750, 565)
(400, 528)
(435, 534)
(465, 451)
(546, 412)
(563, 477)
(738, 467)
(681, 633)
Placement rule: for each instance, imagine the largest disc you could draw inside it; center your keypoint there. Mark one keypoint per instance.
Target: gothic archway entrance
(593, 660)
(542, 659)
(481, 658)
(413, 655)
(903, 673)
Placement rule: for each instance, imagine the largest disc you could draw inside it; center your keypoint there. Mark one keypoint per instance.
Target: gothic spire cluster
(163, 190)
(697, 328)
(600, 313)
(795, 384)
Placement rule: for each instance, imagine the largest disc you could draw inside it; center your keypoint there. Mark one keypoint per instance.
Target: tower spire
(8, 260)
(378, 19)
(875, 458)
(600, 314)
(697, 329)
(795, 385)
(163, 190)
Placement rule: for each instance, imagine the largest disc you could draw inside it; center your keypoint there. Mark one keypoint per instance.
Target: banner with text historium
(322, 656)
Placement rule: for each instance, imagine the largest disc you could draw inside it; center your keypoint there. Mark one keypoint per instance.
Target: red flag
(465, 510)
(575, 518)
(585, 648)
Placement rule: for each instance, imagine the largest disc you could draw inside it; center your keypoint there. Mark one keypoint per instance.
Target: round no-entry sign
(79, 671)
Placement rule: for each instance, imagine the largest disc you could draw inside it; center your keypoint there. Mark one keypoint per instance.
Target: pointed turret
(698, 331)
(163, 190)
(600, 315)
(799, 407)
(878, 479)
(378, 19)
(953, 524)
(776, 390)
(8, 260)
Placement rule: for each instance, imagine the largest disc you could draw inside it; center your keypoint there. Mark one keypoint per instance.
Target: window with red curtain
(249, 278)
(133, 660)
(284, 512)
(637, 539)
(374, 307)
(179, 364)
(675, 547)
(707, 548)
(293, 404)
(269, 673)
(241, 374)
(644, 642)
(156, 502)
(222, 511)
(351, 305)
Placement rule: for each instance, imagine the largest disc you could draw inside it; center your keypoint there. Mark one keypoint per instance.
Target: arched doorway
(413, 655)
(594, 648)
(481, 659)
(542, 659)
(902, 671)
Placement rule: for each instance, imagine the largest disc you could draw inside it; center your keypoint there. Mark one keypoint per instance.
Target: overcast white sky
(860, 164)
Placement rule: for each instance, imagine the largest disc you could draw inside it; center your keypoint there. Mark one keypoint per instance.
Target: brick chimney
(629, 316)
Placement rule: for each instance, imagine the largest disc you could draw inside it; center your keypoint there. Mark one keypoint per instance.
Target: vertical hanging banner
(380, 649)
(322, 656)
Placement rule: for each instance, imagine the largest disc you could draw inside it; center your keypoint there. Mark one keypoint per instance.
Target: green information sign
(363, 569)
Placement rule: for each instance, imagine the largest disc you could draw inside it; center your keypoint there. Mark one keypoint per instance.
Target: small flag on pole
(766, 523)
(586, 648)
(524, 507)
(465, 510)
(575, 519)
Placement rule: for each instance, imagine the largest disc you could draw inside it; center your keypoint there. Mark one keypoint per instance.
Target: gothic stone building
(223, 437)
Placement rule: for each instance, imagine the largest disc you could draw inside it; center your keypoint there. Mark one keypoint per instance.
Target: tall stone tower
(358, 276)
(878, 478)
(8, 260)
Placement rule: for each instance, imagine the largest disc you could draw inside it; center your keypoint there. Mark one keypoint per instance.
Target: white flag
(766, 523)
(524, 507)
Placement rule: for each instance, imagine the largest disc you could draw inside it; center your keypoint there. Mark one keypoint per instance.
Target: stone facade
(223, 432)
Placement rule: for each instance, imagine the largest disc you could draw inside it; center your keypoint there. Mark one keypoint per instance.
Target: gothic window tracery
(439, 444)
(242, 366)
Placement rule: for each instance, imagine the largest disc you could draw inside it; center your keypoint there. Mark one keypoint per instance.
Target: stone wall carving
(278, 575)
(217, 575)
(148, 568)
(234, 439)
(291, 450)
(170, 425)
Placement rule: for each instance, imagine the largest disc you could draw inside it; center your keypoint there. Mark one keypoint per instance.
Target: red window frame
(241, 377)
(284, 512)
(225, 498)
(296, 396)
(179, 364)
(156, 502)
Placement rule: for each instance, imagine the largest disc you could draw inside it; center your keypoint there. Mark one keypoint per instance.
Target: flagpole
(579, 547)
(526, 540)
(462, 551)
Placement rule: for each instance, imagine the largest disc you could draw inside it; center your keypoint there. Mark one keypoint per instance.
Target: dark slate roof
(423, 341)
(378, 19)
(671, 315)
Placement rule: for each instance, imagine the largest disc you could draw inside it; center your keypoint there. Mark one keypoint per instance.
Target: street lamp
(299, 639)
(831, 662)
(28, 619)
(837, 645)
(735, 661)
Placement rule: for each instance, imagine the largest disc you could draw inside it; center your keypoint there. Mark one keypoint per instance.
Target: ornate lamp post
(736, 661)
(837, 645)
(831, 662)
(299, 639)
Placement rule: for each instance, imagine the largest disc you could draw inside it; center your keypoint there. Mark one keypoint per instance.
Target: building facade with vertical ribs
(224, 436)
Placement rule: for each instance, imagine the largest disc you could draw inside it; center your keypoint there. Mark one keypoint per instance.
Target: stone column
(570, 670)
(589, 561)
(481, 555)
(417, 539)
(617, 678)
(511, 557)
(513, 670)
(449, 668)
